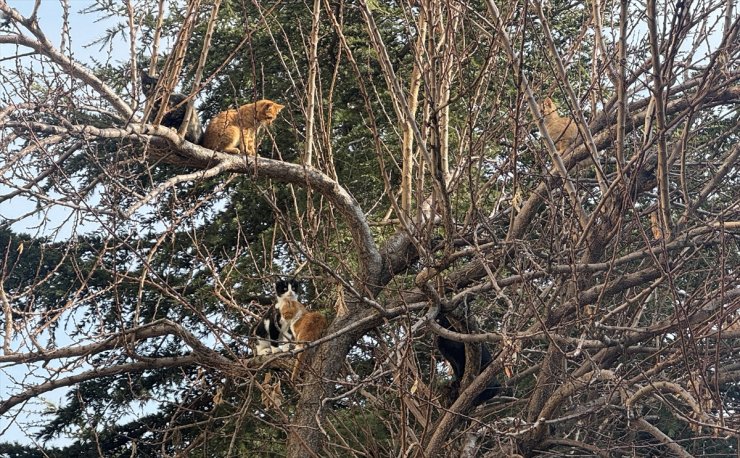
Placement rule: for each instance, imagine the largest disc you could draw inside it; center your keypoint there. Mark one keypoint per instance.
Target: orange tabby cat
(304, 325)
(563, 131)
(657, 229)
(235, 131)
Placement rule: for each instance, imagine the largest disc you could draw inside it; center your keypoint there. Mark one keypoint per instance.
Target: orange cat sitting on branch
(562, 130)
(235, 131)
(305, 326)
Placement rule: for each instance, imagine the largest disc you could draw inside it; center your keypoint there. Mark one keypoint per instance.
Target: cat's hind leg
(231, 140)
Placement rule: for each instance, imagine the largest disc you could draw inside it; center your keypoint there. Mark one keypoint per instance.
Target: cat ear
(548, 106)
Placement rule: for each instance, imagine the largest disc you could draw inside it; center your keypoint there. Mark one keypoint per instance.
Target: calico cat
(305, 326)
(175, 115)
(273, 331)
(235, 131)
(563, 131)
(454, 352)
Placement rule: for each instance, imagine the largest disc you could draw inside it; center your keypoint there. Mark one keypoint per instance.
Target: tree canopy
(412, 175)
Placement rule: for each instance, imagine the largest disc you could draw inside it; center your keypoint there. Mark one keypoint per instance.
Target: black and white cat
(273, 330)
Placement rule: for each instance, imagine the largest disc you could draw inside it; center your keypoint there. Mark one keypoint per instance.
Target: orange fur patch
(562, 130)
(290, 309)
(657, 229)
(309, 327)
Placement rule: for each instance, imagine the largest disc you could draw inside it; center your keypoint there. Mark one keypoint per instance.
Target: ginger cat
(659, 232)
(304, 325)
(235, 131)
(563, 131)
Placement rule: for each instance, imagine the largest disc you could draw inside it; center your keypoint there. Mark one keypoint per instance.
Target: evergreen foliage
(195, 265)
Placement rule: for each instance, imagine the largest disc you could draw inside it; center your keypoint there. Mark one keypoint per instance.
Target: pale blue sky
(84, 29)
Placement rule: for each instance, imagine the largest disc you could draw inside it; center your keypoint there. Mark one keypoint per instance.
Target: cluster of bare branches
(603, 277)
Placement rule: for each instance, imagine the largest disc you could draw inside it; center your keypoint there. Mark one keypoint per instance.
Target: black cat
(273, 332)
(174, 117)
(454, 352)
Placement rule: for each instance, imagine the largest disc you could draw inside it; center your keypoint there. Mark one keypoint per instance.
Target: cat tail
(298, 367)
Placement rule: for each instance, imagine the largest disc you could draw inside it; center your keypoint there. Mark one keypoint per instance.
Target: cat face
(289, 307)
(148, 83)
(283, 286)
(548, 107)
(267, 111)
